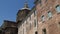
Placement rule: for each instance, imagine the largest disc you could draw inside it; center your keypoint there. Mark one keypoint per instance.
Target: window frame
(36, 32)
(44, 31)
(57, 8)
(35, 13)
(42, 18)
(40, 1)
(49, 14)
(35, 24)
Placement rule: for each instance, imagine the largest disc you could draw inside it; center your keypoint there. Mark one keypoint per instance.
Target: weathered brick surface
(51, 25)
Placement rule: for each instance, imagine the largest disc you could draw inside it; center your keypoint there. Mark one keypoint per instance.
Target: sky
(9, 9)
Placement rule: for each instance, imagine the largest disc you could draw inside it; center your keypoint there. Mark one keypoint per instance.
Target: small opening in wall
(59, 25)
(43, 18)
(59, 22)
(36, 32)
(57, 6)
(45, 0)
(44, 31)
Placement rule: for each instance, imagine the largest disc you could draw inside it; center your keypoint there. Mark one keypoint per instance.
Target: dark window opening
(40, 2)
(36, 32)
(44, 31)
(57, 6)
(35, 23)
(59, 22)
(43, 18)
(45, 0)
(34, 13)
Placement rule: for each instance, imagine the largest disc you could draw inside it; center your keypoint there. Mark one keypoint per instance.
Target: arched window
(58, 8)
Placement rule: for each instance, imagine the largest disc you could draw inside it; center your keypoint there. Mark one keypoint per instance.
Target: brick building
(48, 14)
(43, 18)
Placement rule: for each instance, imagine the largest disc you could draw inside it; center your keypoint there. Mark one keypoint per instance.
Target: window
(30, 17)
(44, 31)
(26, 29)
(58, 9)
(34, 13)
(40, 2)
(36, 32)
(35, 23)
(30, 25)
(26, 22)
(49, 14)
(45, 0)
(42, 18)
(59, 24)
(23, 31)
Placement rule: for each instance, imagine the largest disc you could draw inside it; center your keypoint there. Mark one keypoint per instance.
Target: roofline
(35, 1)
(28, 15)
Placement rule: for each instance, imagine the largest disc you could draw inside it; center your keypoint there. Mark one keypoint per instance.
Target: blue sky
(9, 9)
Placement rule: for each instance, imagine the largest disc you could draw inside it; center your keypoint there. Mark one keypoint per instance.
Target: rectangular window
(58, 9)
(44, 31)
(45, 1)
(23, 31)
(49, 14)
(34, 13)
(40, 1)
(35, 23)
(59, 24)
(36, 32)
(30, 17)
(30, 25)
(42, 18)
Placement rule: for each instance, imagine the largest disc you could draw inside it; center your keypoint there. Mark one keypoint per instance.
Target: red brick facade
(51, 25)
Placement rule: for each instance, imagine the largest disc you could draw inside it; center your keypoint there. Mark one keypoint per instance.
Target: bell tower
(22, 13)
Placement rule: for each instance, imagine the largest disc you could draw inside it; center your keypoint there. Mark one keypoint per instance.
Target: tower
(22, 13)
